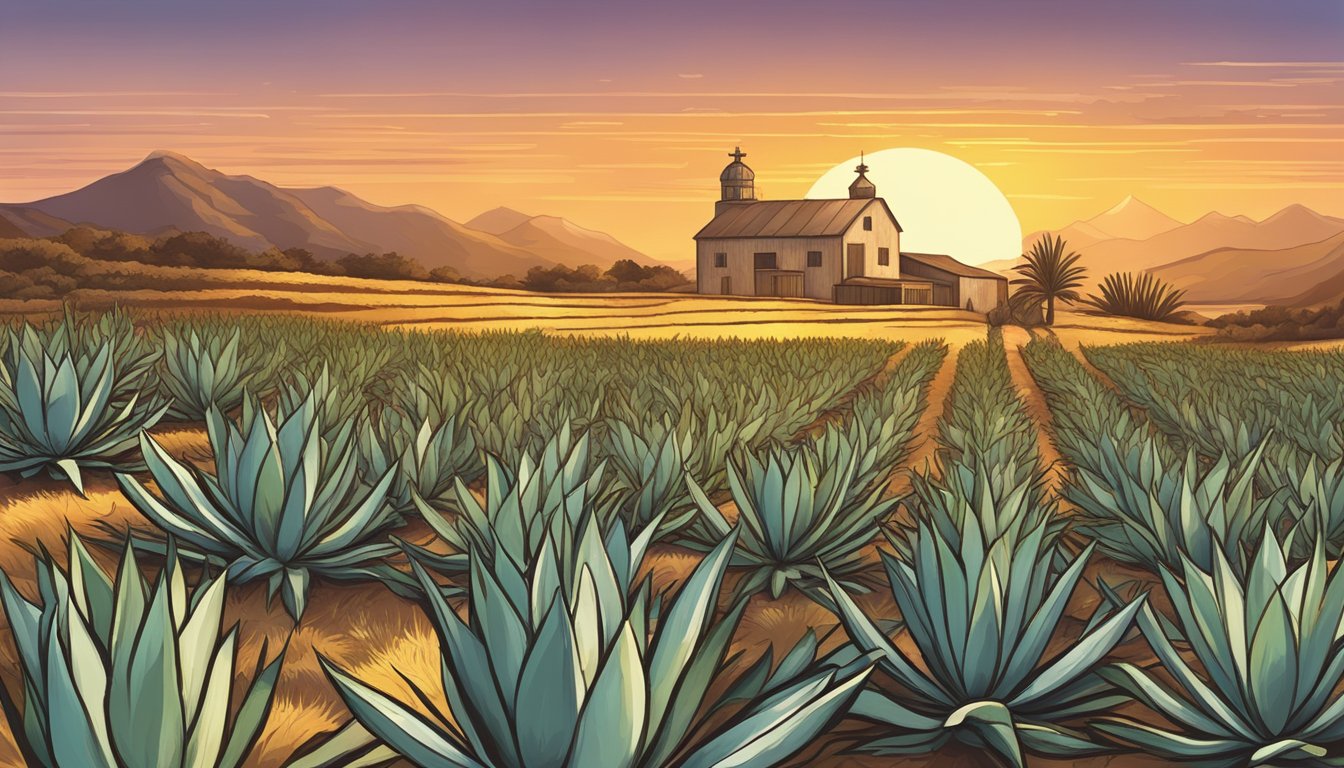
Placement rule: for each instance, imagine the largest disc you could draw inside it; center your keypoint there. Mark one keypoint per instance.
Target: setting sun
(944, 204)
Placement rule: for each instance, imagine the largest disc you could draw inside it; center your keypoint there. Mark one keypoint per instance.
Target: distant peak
(168, 154)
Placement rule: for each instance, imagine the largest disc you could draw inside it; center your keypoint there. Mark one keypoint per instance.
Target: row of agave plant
(1149, 498)
(505, 394)
(1286, 406)
(292, 497)
(1257, 603)
(620, 675)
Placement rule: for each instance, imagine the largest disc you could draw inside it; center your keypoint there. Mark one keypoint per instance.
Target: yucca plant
(797, 515)
(652, 469)
(567, 664)
(122, 674)
(284, 504)
(67, 405)
(1144, 296)
(1268, 644)
(200, 373)
(1144, 511)
(1049, 275)
(981, 614)
(428, 459)
(523, 504)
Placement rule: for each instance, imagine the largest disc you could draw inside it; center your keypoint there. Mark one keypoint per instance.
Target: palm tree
(1049, 274)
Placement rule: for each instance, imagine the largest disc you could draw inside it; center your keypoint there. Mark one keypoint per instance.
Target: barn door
(854, 257)
(726, 286)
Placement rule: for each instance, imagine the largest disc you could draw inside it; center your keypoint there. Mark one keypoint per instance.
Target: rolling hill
(553, 238)
(1247, 275)
(169, 192)
(10, 229)
(1216, 258)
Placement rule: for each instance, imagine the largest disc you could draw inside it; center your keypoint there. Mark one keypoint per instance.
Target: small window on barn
(868, 223)
(814, 258)
(884, 257)
(720, 260)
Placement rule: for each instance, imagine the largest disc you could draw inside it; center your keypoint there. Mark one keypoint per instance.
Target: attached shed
(956, 284)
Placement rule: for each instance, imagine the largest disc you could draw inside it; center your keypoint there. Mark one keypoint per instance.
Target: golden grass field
(377, 635)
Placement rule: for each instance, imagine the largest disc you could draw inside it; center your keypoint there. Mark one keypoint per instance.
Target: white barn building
(847, 251)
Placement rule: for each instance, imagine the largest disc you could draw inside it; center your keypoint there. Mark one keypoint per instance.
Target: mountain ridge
(170, 192)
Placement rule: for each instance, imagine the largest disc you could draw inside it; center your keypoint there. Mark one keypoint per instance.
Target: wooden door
(726, 286)
(854, 256)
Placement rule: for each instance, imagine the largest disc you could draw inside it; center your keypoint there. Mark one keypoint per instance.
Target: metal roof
(788, 218)
(950, 265)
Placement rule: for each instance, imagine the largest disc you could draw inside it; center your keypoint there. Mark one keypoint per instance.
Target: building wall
(983, 293)
(791, 254)
(883, 235)
(916, 269)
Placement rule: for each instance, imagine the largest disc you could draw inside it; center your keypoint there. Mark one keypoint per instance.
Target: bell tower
(737, 183)
(862, 188)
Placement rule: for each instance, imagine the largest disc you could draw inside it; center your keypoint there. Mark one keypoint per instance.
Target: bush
(1145, 297)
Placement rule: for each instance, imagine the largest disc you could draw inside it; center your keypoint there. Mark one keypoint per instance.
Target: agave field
(591, 530)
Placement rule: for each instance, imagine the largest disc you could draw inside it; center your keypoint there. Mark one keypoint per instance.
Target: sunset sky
(619, 116)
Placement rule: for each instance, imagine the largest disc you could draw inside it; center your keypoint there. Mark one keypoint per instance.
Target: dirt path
(925, 437)
(1033, 399)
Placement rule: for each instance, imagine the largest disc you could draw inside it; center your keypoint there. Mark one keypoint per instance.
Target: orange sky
(623, 123)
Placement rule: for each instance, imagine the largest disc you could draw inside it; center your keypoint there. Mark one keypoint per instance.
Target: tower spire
(862, 187)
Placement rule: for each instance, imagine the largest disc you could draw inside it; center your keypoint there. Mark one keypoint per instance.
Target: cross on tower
(737, 154)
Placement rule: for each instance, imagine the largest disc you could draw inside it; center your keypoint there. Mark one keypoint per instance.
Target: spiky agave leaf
(544, 494)
(121, 674)
(651, 465)
(563, 665)
(284, 504)
(1268, 642)
(1145, 511)
(428, 459)
(982, 614)
(797, 515)
(66, 405)
(203, 372)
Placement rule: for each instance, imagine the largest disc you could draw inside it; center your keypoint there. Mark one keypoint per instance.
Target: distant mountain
(168, 192)
(1134, 237)
(554, 238)
(1130, 219)
(497, 221)
(420, 233)
(10, 229)
(1245, 275)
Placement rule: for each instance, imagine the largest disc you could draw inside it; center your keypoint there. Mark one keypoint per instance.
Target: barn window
(720, 260)
(884, 257)
(868, 223)
(814, 258)
(766, 261)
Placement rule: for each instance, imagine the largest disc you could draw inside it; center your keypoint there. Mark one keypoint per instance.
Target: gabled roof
(788, 218)
(950, 265)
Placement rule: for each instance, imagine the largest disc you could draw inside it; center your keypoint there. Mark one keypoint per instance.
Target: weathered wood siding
(791, 254)
(884, 234)
(982, 293)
